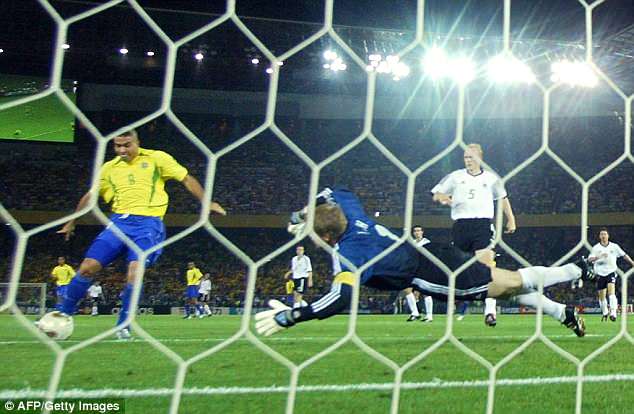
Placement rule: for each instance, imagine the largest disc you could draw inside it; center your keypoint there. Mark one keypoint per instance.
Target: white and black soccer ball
(56, 325)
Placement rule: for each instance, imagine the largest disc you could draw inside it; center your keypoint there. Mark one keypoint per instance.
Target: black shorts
(602, 281)
(471, 284)
(301, 285)
(430, 280)
(470, 235)
(203, 297)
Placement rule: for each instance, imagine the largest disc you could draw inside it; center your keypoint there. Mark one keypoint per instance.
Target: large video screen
(45, 119)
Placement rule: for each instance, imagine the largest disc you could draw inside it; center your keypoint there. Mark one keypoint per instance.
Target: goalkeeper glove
(274, 320)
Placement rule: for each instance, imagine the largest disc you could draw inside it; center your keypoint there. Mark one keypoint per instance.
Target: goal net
(30, 298)
(25, 298)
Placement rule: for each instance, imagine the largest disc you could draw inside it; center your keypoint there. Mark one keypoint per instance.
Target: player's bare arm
(444, 199)
(193, 186)
(510, 217)
(69, 227)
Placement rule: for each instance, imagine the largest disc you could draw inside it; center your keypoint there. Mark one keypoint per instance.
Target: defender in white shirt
(302, 274)
(471, 193)
(204, 292)
(413, 296)
(604, 255)
(95, 292)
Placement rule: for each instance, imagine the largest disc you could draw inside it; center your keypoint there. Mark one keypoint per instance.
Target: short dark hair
(605, 229)
(130, 133)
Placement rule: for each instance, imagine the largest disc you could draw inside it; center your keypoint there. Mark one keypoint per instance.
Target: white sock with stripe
(490, 306)
(429, 307)
(551, 275)
(614, 305)
(603, 303)
(554, 309)
(411, 302)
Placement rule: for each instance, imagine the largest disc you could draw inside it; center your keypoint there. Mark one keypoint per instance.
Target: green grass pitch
(27, 364)
(44, 119)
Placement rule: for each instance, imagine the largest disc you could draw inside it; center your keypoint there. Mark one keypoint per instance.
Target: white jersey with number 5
(472, 196)
(606, 258)
(205, 287)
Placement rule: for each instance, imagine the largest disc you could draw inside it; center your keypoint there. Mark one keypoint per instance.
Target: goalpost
(245, 332)
(30, 297)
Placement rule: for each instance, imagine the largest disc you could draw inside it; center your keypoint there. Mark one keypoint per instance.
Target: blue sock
(126, 297)
(75, 292)
(463, 307)
(200, 308)
(187, 310)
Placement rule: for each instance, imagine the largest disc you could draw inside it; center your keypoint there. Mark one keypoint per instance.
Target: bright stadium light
(150, 53)
(255, 61)
(199, 56)
(1, 50)
(123, 51)
(462, 70)
(573, 74)
(375, 57)
(436, 63)
(269, 70)
(330, 55)
(65, 46)
(508, 69)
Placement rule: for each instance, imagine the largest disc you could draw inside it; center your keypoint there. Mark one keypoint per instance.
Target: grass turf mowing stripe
(157, 392)
(319, 338)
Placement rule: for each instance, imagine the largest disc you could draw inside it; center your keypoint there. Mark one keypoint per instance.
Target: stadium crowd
(246, 175)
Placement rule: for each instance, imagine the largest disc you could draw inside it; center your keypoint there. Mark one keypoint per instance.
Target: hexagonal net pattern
(245, 331)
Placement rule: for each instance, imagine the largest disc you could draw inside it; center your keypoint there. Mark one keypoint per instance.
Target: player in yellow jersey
(193, 283)
(62, 274)
(290, 290)
(134, 183)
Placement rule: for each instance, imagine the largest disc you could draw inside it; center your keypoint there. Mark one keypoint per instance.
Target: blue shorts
(145, 231)
(192, 291)
(61, 291)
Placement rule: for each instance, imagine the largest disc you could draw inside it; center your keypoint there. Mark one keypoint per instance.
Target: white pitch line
(387, 386)
(317, 338)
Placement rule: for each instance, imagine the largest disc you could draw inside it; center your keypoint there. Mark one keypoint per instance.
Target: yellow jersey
(63, 274)
(138, 187)
(290, 285)
(193, 276)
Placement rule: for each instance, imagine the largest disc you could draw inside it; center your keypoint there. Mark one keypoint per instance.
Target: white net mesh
(367, 135)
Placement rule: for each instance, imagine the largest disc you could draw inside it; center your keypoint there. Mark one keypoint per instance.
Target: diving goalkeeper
(341, 222)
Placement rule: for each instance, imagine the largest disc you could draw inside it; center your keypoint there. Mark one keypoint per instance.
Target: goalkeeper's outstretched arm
(281, 316)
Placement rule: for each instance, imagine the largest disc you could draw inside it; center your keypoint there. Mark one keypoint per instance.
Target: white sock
(207, 310)
(603, 303)
(94, 310)
(614, 304)
(554, 309)
(429, 307)
(551, 275)
(489, 306)
(411, 302)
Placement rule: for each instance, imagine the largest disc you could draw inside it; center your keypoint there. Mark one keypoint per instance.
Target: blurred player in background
(193, 276)
(341, 223)
(411, 296)
(203, 293)
(289, 286)
(471, 192)
(302, 276)
(62, 274)
(95, 293)
(604, 255)
(134, 182)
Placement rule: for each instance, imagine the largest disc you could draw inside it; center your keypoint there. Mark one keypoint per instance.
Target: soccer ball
(56, 325)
